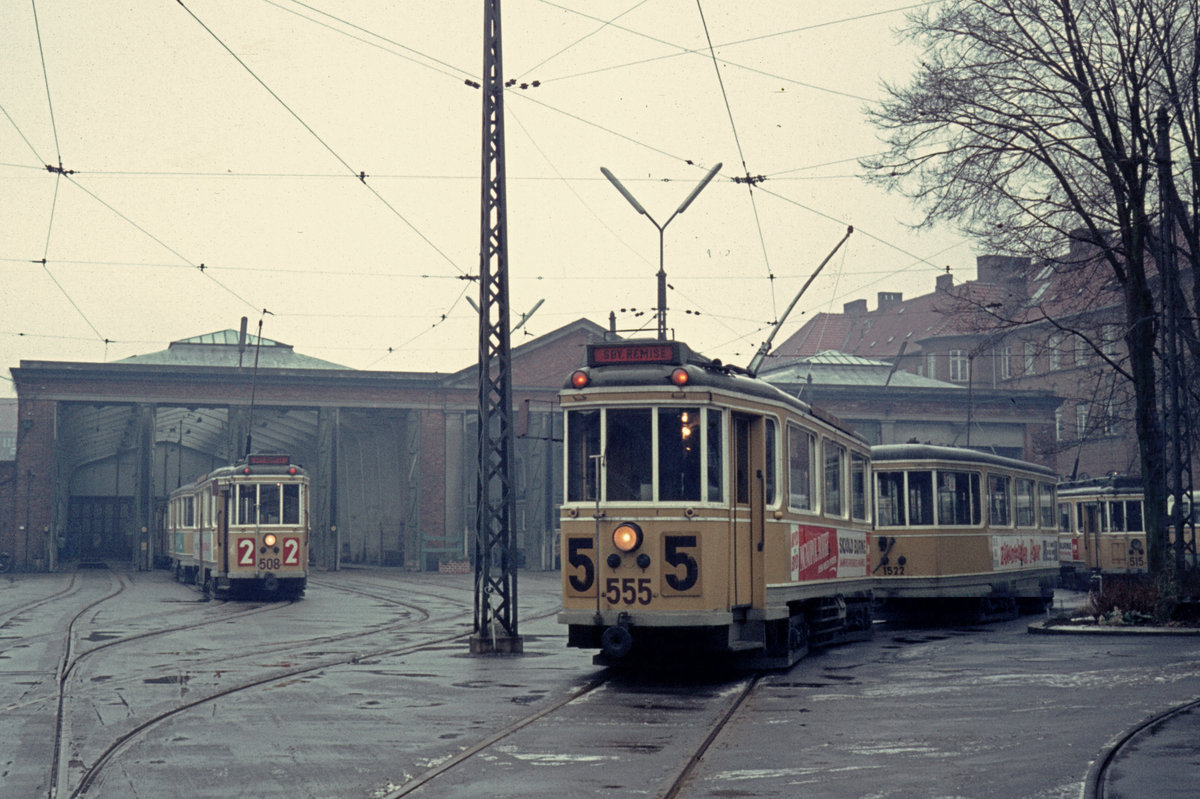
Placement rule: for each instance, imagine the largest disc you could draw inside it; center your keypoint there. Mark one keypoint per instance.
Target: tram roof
(1107, 484)
(933, 452)
(703, 373)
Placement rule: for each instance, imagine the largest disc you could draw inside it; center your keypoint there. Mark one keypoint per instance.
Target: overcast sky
(211, 149)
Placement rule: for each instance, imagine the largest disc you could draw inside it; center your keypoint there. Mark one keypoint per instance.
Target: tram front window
(628, 456)
(247, 504)
(291, 503)
(678, 454)
(920, 498)
(268, 503)
(583, 450)
(889, 508)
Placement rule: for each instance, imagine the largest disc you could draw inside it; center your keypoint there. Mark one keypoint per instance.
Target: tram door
(1089, 531)
(747, 514)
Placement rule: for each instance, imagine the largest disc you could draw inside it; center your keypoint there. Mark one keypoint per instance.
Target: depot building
(391, 455)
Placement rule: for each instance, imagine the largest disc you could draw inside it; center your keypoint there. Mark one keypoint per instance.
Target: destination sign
(609, 354)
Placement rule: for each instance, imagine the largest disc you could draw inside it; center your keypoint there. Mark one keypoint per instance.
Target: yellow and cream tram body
(707, 513)
(961, 532)
(1102, 530)
(243, 528)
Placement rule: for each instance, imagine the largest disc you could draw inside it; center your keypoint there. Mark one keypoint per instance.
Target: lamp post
(662, 274)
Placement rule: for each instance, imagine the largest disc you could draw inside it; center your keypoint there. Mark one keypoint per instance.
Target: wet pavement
(365, 688)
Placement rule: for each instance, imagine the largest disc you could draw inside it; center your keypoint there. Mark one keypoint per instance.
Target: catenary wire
(742, 157)
(361, 175)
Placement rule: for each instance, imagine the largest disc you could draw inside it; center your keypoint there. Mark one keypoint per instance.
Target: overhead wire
(352, 172)
(603, 24)
(560, 178)
(450, 69)
(46, 79)
(741, 156)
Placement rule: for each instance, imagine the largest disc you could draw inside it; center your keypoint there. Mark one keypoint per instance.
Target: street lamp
(662, 274)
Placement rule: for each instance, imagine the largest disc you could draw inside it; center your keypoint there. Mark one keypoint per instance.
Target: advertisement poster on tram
(824, 553)
(1023, 551)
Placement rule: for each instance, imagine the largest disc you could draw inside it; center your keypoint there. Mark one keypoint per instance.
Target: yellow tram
(707, 513)
(243, 528)
(962, 531)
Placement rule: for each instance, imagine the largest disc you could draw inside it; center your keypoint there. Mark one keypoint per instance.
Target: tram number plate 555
(628, 590)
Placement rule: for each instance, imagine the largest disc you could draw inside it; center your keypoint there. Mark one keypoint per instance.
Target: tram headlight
(269, 539)
(627, 537)
(679, 376)
(579, 379)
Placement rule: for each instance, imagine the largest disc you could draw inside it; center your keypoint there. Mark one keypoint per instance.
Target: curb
(1046, 628)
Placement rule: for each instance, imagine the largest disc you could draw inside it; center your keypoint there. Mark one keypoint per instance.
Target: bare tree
(1031, 121)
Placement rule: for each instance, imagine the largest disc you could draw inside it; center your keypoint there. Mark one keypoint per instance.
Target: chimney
(855, 308)
(889, 298)
(944, 283)
(1001, 268)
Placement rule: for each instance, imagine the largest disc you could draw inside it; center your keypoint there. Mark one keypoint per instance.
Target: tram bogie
(962, 533)
(243, 529)
(707, 514)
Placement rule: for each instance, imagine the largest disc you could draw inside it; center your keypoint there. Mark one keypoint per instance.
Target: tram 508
(243, 529)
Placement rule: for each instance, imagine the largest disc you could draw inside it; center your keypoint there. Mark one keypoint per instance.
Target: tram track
(10, 614)
(488, 746)
(123, 741)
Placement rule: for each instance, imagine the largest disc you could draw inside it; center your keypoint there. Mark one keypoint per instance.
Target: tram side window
(835, 479)
(920, 498)
(801, 452)
(1116, 512)
(1064, 517)
(858, 486)
(291, 503)
(1046, 504)
(999, 500)
(628, 455)
(1126, 516)
(958, 498)
(1024, 498)
(1133, 515)
(889, 502)
(770, 448)
(247, 504)
(716, 473)
(189, 512)
(583, 450)
(678, 454)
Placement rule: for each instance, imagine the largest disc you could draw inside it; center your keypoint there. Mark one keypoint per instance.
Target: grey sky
(229, 134)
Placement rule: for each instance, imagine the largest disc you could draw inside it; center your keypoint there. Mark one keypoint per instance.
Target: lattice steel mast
(495, 561)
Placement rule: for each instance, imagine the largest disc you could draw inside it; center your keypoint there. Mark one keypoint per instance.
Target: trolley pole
(661, 309)
(495, 557)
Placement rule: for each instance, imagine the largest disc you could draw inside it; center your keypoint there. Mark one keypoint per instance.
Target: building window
(1030, 358)
(1058, 424)
(1056, 342)
(1110, 418)
(959, 366)
(1109, 335)
(1081, 416)
(1005, 363)
(1081, 351)
(930, 365)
